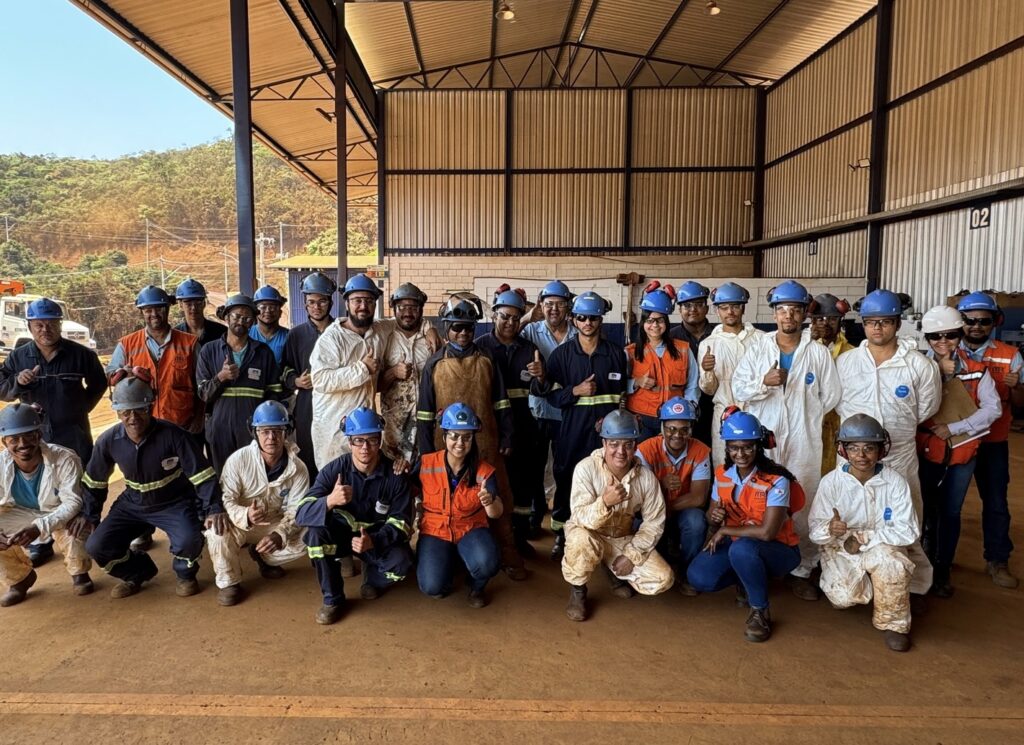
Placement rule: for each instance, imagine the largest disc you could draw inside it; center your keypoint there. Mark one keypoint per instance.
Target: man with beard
(721, 351)
(551, 331)
(889, 380)
(406, 352)
(268, 328)
(789, 383)
(192, 296)
(826, 328)
(520, 365)
(235, 375)
(317, 291)
(692, 299)
(588, 378)
(463, 372)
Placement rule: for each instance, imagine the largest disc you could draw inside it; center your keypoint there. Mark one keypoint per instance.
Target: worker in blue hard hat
(889, 379)
(789, 382)
(268, 328)
(191, 296)
(720, 352)
(692, 299)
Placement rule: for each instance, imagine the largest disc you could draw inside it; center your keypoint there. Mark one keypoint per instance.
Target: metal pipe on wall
(340, 122)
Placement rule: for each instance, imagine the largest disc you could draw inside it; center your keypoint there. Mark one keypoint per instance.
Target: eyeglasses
(241, 318)
(745, 449)
(940, 335)
(459, 436)
(461, 328)
(879, 323)
(555, 305)
(628, 445)
(977, 321)
(362, 301)
(660, 320)
(866, 448)
(323, 303)
(508, 317)
(264, 307)
(729, 306)
(691, 305)
(364, 442)
(406, 307)
(683, 430)
(275, 431)
(580, 318)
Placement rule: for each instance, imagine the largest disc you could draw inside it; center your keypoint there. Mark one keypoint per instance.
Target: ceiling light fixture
(505, 12)
(712, 8)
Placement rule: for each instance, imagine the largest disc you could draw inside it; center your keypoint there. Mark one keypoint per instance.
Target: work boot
(40, 553)
(558, 549)
(803, 587)
(348, 567)
(741, 597)
(186, 587)
(82, 583)
(366, 590)
(521, 536)
(918, 604)
(329, 614)
(17, 592)
(941, 587)
(125, 589)
(515, 573)
(620, 587)
(477, 599)
(143, 543)
(576, 610)
(759, 625)
(1000, 574)
(896, 641)
(266, 570)
(230, 595)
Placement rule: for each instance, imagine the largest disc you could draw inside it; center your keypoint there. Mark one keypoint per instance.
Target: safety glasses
(977, 321)
(364, 442)
(879, 323)
(738, 449)
(466, 437)
(461, 328)
(940, 335)
(508, 317)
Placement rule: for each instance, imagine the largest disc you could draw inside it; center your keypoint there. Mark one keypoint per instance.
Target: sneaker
(82, 584)
(230, 595)
(803, 587)
(1000, 574)
(477, 599)
(896, 641)
(348, 567)
(329, 614)
(18, 591)
(267, 571)
(186, 587)
(40, 553)
(759, 625)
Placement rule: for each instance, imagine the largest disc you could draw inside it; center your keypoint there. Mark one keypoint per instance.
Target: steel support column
(509, 128)
(382, 179)
(627, 186)
(879, 138)
(760, 128)
(244, 199)
(340, 124)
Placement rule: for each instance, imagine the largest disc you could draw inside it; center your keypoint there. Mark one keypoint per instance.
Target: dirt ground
(155, 668)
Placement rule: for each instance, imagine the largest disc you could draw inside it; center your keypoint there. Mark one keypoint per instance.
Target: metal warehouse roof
(427, 44)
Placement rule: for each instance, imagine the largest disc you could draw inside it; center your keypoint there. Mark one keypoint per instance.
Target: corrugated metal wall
(446, 129)
(577, 129)
(691, 209)
(843, 255)
(443, 212)
(937, 256)
(567, 210)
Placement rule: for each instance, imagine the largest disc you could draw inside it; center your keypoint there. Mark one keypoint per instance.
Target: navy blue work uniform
(230, 405)
(526, 464)
(67, 387)
(212, 331)
(168, 484)
(380, 504)
(297, 349)
(569, 366)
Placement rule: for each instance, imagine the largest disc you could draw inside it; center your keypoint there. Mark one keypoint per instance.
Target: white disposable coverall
(244, 482)
(60, 499)
(880, 514)
(794, 412)
(597, 533)
(902, 392)
(398, 402)
(728, 349)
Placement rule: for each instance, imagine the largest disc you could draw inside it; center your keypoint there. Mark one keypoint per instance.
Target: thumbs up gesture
(228, 371)
(340, 495)
(536, 368)
(586, 388)
(836, 526)
(371, 362)
(776, 375)
(403, 370)
(948, 364)
(707, 362)
(28, 377)
(614, 493)
(486, 498)
(362, 542)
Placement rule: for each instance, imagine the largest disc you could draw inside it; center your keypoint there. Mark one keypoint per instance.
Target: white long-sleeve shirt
(244, 482)
(990, 407)
(60, 495)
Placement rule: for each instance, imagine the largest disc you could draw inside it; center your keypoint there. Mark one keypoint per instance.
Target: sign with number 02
(980, 216)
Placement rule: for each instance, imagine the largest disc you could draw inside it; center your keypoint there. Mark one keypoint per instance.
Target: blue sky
(71, 87)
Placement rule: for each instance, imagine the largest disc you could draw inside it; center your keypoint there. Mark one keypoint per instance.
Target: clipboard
(956, 405)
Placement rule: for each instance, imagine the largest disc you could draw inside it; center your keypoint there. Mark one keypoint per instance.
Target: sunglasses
(580, 318)
(977, 321)
(461, 328)
(951, 335)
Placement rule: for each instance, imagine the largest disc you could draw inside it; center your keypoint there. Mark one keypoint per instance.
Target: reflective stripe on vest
(669, 374)
(448, 514)
(750, 507)
(146, 486)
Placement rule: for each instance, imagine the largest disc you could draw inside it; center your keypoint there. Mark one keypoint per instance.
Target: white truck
(14, 326)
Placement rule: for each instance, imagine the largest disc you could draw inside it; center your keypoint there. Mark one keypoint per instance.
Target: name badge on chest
(254, 373)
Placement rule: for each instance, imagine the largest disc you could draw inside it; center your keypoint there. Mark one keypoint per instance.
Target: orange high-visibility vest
(174, 377)
(653, 451)
(933, 448)
(447, 515)
(997, 359)
(669, 375)
(750, 507)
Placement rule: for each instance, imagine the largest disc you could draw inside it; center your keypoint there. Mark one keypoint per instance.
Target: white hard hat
(941, 318)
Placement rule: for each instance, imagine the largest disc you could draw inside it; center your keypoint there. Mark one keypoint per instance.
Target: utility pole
(225, 273)
(163, 275)
(147, 249)
(280, 240)
(7, 229)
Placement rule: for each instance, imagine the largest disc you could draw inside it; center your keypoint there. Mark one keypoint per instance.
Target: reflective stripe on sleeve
(93, 483)
(502, 404)
(204, 475)
(321, 552)
(400, 524)
(154, 485)
(517, 393)
(424, 416)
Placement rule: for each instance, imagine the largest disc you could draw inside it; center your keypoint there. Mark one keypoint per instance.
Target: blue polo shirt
(778, 495)
(539, 333)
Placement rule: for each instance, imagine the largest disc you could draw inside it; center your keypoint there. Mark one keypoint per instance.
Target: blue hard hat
(509, 299)
(691, 291)
(362, 421)
(555, 288)
(271, 414)
(677, 408)
(132, 393)
(318, 283)
(43, 309)
(730, 292)
(190, 289)
(590, 304)
(741, 425)
(459, 417)
(268, 294)
(153, 295)
(657, 301)
(789, 291)
(361, 283)
(879, 304)
(976, 301)
(18, 419)
(620, 425)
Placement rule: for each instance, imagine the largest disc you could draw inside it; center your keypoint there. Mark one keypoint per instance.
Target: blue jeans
(477, 550)
(942, 505)
(745, 560)
(992, 474)
(683, 537)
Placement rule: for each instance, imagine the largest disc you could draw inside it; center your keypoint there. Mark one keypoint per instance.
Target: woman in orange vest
(945, 470)
(459, 497)
(751, 513)
(660, 367)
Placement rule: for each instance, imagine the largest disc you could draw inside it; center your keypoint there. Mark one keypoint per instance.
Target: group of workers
(701, 456)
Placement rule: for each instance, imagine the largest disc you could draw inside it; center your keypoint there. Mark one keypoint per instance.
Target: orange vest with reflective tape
(653, 450)
(173, 377)
(448, 515)
(997, 359)
(669, 377)
(750, 507)
(933, 448)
